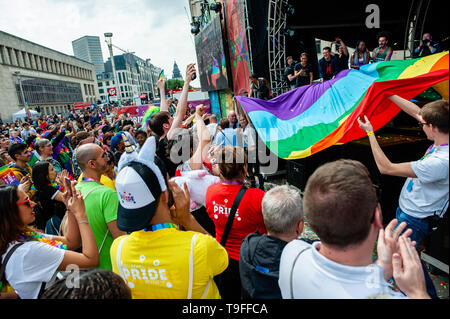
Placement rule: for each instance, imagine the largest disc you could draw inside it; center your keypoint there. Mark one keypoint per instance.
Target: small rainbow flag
(161, 75)
(34, 158)
(7, 175)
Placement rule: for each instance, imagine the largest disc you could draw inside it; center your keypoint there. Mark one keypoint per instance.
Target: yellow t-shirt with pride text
(155, 264)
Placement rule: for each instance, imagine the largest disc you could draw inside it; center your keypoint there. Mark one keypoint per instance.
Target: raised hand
(75, 204)
(388, 244)
(407, 270)
(190, 70)
(180, 211)
(161, 84)
(200, 109)
(365, 126)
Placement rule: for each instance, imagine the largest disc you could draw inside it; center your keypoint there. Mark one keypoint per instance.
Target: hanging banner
(238, 47)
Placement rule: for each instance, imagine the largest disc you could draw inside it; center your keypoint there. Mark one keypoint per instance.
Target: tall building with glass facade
(33, 75)
(88, 48)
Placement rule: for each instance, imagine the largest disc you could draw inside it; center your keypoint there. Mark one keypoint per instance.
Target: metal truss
(248, 30)
(277, 45)
(415, 25)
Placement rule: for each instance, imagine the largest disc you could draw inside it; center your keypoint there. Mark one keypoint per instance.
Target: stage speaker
(296, 174)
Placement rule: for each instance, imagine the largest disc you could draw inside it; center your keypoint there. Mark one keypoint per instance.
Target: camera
(426, 41)
(194, 76)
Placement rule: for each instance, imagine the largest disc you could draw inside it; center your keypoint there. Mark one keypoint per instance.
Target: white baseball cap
(139, 185)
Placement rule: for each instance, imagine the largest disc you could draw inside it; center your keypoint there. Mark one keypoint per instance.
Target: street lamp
(108, 40)
(17, 73)
(151, 78)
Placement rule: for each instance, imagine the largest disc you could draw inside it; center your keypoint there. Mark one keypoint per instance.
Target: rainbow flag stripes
(306, 120)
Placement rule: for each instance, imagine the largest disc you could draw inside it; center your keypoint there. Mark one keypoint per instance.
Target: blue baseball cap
(116, 139)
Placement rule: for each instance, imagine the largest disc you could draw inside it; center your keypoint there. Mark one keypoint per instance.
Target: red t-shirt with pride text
(248, 218)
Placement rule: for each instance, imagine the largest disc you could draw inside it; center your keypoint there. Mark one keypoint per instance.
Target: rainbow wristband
(370, 133)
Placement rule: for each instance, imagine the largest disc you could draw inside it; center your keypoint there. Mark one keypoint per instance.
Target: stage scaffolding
(277, 45)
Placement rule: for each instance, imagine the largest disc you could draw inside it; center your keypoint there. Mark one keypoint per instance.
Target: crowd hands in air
(101, 196)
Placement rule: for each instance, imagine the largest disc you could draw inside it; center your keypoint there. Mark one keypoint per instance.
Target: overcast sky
(155, 29)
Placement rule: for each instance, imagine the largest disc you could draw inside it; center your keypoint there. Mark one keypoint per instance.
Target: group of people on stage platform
(298, 74)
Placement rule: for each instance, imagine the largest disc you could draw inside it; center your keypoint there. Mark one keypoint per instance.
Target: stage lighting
(289, 32)
(288, 9)
(195, 27)
(215, 6)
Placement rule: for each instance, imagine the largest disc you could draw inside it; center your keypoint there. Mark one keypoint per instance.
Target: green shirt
(101, 208)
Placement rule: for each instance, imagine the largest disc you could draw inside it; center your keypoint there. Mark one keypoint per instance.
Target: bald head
(232, 117)
(213, 118)
(86, 153)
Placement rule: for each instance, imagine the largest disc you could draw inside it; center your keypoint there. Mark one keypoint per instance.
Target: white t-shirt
(249, 136)
(316, 277)
(428, 193)
(30, 265)
(212, 128)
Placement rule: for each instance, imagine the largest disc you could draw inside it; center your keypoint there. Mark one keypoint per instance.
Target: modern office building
(132, 73)
(88, 48)
(35, 75)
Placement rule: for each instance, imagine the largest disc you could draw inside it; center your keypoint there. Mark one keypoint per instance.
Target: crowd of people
(100, 194)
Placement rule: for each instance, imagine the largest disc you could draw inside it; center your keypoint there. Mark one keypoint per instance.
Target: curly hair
(93, 284)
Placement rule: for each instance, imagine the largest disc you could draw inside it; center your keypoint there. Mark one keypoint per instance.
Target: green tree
(175, 84)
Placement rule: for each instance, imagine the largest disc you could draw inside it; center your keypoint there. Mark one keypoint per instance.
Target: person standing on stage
(303, 71)
(425, 195)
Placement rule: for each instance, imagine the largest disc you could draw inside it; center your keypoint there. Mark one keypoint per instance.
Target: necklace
(160, 226)
(89, 179)
(233, 183)
(44, 239)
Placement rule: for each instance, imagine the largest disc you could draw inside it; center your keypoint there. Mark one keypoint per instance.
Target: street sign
(112, 92)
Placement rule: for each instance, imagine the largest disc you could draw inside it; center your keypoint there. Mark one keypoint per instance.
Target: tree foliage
(175, 84)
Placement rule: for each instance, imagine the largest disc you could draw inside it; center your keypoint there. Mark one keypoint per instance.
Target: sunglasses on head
(26, 201)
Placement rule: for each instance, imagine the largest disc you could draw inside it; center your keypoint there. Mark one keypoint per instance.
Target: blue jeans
(420, 227)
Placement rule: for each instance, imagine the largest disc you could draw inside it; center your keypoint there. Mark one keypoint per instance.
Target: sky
(155, 29)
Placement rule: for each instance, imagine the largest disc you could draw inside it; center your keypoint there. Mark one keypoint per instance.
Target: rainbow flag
(7, 175)
(161, 75)
(306, 120)
(34, 159)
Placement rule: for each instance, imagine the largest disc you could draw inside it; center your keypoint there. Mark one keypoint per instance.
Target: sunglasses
(26, 201)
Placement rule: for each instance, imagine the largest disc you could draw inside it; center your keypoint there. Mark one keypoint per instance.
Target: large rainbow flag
(306, 120)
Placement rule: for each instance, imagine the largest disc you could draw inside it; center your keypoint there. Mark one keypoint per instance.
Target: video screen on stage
(211, 67)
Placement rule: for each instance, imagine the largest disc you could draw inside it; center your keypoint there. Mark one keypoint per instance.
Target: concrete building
(52, 80)
(133, 73)
(88, 48)
(105, 81)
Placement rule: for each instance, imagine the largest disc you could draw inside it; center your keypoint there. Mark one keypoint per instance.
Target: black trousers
(201, 216)
(229, 282)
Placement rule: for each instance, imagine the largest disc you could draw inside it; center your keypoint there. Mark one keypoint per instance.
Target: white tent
(22, 114)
